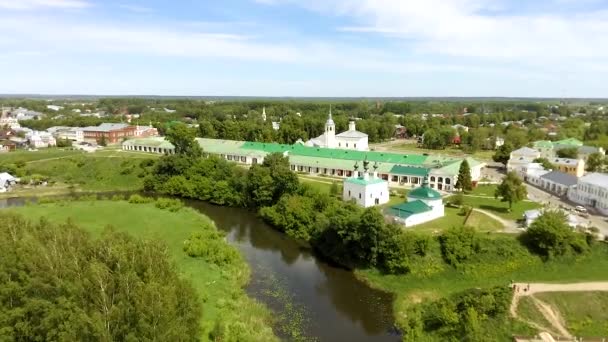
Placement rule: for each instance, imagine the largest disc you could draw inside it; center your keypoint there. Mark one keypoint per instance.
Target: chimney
(351, 126)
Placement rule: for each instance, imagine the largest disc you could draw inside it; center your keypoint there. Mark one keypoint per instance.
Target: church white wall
(366, 195)
(423, 217)
(358, 144)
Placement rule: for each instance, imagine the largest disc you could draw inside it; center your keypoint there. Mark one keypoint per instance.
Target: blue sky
(548, 48)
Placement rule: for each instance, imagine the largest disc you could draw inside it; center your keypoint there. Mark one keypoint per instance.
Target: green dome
(424, 192)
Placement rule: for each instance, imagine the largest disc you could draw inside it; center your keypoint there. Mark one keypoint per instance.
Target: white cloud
(41, 4)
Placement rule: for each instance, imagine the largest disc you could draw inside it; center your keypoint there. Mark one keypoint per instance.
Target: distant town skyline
(306, 48)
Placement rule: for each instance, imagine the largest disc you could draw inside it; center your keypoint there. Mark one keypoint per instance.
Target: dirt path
(551, 314)
(509, 226)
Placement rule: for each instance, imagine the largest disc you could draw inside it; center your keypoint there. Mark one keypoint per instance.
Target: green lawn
(450, 151)
(28, 156)
(499, 208)
(585, 313)
(322, 185)
(216, 286)
(452, 218)
(483, 190)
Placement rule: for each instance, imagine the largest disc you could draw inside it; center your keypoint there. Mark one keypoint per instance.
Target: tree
(545, 163)
(103, 141)
(568, 152)
(511, 190)
(551, 236)
(62, 284)
(464, 182)
(595, 162)
(285, 180)
(503, 153)
(334, 190)
(64, 143)
(182, 137)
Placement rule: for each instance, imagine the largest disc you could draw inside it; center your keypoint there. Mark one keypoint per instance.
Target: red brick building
(112, 132)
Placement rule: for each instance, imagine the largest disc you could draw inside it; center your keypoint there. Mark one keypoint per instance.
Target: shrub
(138, 199)
(458, 245)
(208, 244)
(171, 204)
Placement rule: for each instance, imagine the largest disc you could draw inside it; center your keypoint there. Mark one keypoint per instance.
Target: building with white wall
(349, 140)
(591, 190)
(365, 188)
(39, 139)
(521, 157)
(67, 133)
(423, 205)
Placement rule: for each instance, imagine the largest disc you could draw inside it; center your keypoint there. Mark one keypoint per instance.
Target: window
(346, 144)
(359, 195)
(447, 181)
(339, 144)
(349, 193)
(440, 179)
(433, 179)
(355, 145)
(377, 201)
(395, 178)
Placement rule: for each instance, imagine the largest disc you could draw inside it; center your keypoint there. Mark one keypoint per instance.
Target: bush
(551, 236)
(208, 244)
(171, 204)
(458, 245)
(138, 199)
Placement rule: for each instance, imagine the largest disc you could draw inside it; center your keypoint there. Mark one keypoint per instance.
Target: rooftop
(526, 151)
(106, 127)
(363, 181)
(407, 209)
(352, 134)
(424, 192)
(560, 178)
(563, 161)
(595, 178)
(152, 142)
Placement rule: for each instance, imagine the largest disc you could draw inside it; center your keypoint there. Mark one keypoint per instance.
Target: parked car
(580, 209)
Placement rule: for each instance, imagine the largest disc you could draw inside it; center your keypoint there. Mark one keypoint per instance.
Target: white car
(580, 208)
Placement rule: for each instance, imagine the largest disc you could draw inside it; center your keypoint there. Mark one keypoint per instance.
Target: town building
(520, 158)
(365, 188)
(575, 167)
(399, 170)
(531, 215)
(74, 134)
(145, 131)
(111, 132)
(532, 173)
(349, 140)
(150, 145)
(54, 108)
(423, 205)
(591, 190)
(549, 149)
(39, 139)
(557, 182)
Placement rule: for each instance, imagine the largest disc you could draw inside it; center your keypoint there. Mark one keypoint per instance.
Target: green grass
(499, 208)
(28, 156)
(528, 312)
(322, 185)
(450, 151)
(483, 190)
(215, 285)
(585, 313)
(452, 218)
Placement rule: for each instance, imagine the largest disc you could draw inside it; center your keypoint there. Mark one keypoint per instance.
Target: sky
(325, 48)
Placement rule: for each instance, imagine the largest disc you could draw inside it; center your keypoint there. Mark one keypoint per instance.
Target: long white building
(591, 190)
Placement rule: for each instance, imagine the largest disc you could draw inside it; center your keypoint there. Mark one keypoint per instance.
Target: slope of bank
(227, 311)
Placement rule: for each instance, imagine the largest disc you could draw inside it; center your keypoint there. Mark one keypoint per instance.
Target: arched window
(440, 179)
(432, 178)
(447, 181)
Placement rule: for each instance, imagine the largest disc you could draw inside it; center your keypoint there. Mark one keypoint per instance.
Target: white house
(39, 139)
(67, 133)
(6, 181)
(520, 158)
(364, 188)
(349, 140)
(423, 205)
(54, 107)
(591, 190)
(532, 173)
(531, 215)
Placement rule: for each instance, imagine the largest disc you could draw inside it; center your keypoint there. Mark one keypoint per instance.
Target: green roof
(409, 170)
(319, 152)
(570, 142)
(454, 167)
(407, 209)
(219, 146)
(424, 192)
(362, 181)
(543, 144)
(151, 142)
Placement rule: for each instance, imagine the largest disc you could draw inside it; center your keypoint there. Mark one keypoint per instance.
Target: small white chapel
(365, 188)
(349, 140)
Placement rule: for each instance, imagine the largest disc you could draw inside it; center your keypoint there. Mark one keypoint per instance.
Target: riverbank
(227, 310)
(440, 281)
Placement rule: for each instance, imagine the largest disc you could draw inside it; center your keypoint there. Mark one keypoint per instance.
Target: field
(495, 206)
(220, 289)
(585, 313)
(68, 170)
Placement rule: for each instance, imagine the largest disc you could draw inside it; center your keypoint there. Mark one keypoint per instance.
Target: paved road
(538, 195)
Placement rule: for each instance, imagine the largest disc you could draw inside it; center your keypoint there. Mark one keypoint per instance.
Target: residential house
(532, 173)
(545, 147)
(520, 158)
(574, 167)
(145, 131)
(54, 107)
(591, 190)
(38, 139)
(67, 133)
(459, 127)
(585, 151)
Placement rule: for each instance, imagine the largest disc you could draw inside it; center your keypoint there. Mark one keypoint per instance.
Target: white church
(423, 205)
(349, 140)
(365, 188)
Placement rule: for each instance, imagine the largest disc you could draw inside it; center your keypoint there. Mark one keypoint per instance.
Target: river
(311, 299)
